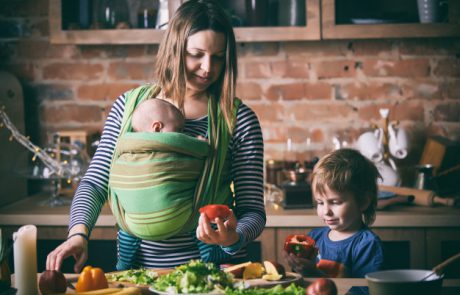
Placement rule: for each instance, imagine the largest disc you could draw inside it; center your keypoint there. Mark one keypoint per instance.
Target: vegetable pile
(301, 246)
(194, 277)
(277, 290)
(140, 276)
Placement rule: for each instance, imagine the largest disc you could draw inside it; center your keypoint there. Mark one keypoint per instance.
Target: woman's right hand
(76, 246)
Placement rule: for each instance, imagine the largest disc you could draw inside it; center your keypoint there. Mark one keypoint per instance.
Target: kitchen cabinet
(360, 19)
(325, 19)
(311, 31)
(103, 240)
(442, 243)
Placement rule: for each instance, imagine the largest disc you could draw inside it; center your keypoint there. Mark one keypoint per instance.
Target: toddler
(344, 187)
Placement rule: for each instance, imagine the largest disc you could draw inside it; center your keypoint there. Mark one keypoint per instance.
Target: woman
(196, 62)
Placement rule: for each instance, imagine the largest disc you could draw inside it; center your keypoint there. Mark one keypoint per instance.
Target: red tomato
(216, 211)
(301, 246)
(322, 286)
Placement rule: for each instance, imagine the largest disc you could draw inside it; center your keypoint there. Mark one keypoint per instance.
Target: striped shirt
(246, 151)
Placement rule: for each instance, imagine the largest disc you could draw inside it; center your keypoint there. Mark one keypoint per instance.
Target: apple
(52, 282)
(274, 268)
(237, 269)
(322, 286)
(254, 270)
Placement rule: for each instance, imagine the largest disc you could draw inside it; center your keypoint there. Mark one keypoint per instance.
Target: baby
(157, 115)
(344, 185)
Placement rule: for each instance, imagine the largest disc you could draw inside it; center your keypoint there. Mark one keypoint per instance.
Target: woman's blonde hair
(191, 17)
(347, 171)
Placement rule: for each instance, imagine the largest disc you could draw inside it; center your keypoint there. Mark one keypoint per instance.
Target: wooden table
(343, 285)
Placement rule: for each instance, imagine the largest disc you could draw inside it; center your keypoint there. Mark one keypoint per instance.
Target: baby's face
(339, 211)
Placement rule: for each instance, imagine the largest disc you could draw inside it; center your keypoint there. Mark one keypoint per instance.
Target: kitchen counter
(416, 237)
(29, 211)
(396, 216)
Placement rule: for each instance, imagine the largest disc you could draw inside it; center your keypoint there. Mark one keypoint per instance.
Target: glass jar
(147, 14)
(113, 14)
(257, 13)
(163, 15)
(85, 13)
(297, 191)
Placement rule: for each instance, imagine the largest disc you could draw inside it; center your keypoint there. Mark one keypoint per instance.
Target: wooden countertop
(29, 211)
(396, 216)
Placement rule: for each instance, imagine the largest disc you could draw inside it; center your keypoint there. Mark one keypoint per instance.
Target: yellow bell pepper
(91, 278)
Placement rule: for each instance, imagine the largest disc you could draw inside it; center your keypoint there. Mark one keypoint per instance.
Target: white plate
(290, 277)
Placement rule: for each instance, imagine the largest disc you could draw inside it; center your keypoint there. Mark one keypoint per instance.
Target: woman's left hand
(225, 235)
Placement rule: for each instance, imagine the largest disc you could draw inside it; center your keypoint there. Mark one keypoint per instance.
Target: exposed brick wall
(300, 90)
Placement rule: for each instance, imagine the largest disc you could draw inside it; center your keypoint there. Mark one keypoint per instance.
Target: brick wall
(300, 90)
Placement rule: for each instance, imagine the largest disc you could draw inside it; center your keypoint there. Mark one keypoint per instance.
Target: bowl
(404, 281)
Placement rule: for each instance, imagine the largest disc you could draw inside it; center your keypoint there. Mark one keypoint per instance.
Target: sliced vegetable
(140, 276)
(301, 246)
(214, 211)
(194, 277)
(292, 289)
(91, 278)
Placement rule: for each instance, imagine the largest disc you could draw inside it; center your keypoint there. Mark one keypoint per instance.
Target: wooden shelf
(151, 36)
(331, 30)
(321, 24)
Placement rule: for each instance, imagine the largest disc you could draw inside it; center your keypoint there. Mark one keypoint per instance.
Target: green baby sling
(158, 181)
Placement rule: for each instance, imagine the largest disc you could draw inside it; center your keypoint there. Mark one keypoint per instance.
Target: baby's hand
(300, 265)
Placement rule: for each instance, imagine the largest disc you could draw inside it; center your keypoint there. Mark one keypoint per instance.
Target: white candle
(25, 260)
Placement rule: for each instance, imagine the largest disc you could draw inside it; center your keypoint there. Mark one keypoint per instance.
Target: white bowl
(403, 281)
